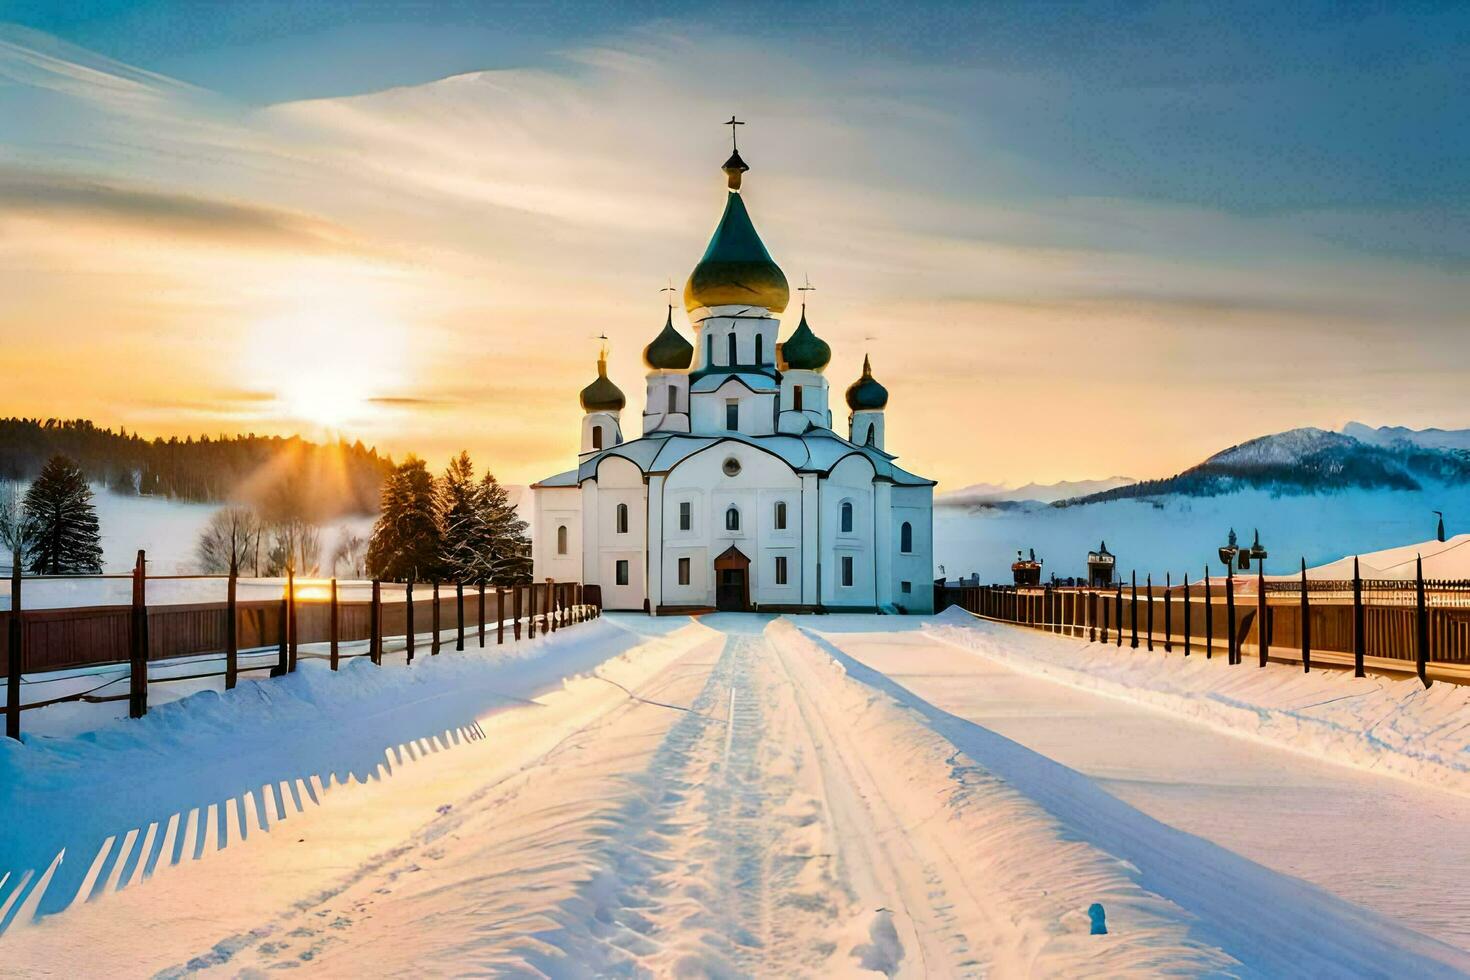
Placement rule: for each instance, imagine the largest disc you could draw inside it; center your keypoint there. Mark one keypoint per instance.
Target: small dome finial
(734, 167)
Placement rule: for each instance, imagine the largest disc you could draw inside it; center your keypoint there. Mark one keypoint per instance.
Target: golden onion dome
(866, 394)
(736, 269)
(602, 395)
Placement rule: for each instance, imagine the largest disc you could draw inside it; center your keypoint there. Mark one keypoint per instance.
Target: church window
(732, 519)
(561, 540)
(709, 355)
(683, 571)
(906, 587)
(731, 466)
(869, 439)
(686, 515)
(906, 538)
(780, 515)
(780, 569)
(759, 349)
(846, 521)
(796, 399)
(621, 572)
(622, 518)
(847, 571)
(732, 415)
(731, 342)
(673, 400)
(597, 437)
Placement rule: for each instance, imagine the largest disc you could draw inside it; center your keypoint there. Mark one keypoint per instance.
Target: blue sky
(1197, 184)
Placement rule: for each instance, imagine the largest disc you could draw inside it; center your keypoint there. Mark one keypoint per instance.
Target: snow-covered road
(809, 796)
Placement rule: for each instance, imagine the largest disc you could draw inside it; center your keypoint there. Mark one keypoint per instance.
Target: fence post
(515, 608)
(551, 604)
(1118, 616)
(15, 660)
(1306, 624)
(1263, 611)
(1102, 601)
(1232, 645)
(408, 625)
(499, 615)
(294, 646)
(375, 625)
(1089, 611)
(1421, 623)
(138, 652)
(482, 613)
(1209, 617)
(459, 615)
(232, 628)
(1360, 642)
(1187, 610)
(1150, 613)
(335, 624)
(434, 621)
(1133, 614)
(531, 611)
(1168, 613)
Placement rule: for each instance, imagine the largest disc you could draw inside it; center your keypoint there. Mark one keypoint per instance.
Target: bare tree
(13, 534)
(231, 540)
(296, 548)
(350, 556)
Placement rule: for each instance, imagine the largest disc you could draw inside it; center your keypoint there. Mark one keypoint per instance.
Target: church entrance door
(732, 581)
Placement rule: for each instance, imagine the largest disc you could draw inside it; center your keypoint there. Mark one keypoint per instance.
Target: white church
(738, 495)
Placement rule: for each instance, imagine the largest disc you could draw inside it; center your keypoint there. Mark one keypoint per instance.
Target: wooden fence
(1391, 626)
(38, 641)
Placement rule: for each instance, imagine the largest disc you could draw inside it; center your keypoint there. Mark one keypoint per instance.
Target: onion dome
(669, 350)
(736, 269)
(805, 351)
(866, 394)
(602, 395)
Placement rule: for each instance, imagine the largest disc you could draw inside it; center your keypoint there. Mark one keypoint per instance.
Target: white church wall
(557, 507)
(813, 401)
(914, 505)
(763, 480)
(600, 430)
(756, 410)
(713, 333)
(849, 482)
(620, 485)
(666, 402)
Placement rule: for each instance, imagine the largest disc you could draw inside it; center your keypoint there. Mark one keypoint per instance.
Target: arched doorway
(732, 581)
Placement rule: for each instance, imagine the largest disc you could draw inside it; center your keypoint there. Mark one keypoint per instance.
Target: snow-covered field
(1180, 534)
(736, 795)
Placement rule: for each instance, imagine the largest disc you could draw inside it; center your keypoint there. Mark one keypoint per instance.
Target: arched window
(759, 349)
(906, 538)
(597, 437)
(732, 519)
(796, 398)
(731, 341)
(622, 518)
(869, 439)
(780, 515)
(847, 517)
(561, 540)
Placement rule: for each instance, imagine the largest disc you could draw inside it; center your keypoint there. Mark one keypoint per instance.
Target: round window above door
(731, 466)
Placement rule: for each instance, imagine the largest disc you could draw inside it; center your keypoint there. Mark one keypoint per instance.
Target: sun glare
(324, 400)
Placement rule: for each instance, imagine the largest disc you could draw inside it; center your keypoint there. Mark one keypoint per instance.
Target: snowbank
(87, 811)
(1377, 723)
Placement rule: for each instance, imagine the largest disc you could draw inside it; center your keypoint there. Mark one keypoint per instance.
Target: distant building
(1100, 566)
(1026, 571)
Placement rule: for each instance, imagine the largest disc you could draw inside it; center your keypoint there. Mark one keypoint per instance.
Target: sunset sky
(1076, 241)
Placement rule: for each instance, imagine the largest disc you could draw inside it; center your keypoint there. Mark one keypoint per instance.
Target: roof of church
(669, 351)
(753, 380)
(866, 394)
(602, 395)
(815, 451)
(805, 351)
(736, 268)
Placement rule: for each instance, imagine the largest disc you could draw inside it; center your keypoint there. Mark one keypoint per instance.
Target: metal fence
(258, 625)
(1392, 625)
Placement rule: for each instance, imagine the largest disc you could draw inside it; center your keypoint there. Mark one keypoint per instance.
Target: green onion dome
(866, 394)
(602, 395)
(669, 350)
(805, 351)
(736, 269)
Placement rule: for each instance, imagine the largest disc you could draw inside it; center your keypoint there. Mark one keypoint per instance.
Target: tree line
(341, 478)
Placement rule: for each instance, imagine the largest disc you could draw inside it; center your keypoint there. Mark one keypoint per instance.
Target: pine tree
(406, 538)
(62, 533)
(462, 519)
(508, 545)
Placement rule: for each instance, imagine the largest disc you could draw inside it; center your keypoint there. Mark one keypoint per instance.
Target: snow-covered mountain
(1309, 461)
(979, 494)
(1388, 435)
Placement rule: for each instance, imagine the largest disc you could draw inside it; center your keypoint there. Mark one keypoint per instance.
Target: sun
(322, 399)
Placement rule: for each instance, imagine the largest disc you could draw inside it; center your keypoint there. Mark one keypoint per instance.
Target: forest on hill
(322, 481)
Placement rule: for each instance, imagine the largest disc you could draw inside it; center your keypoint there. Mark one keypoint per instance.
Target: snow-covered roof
(751, 380)
(1442, 560)
(815, 451)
